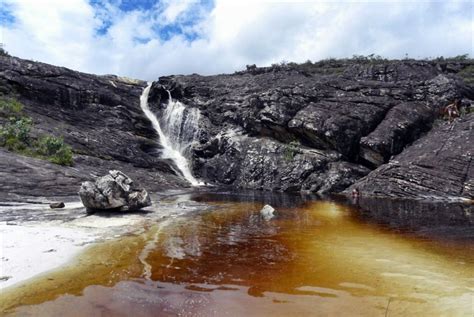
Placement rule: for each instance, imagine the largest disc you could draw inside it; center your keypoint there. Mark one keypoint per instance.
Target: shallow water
(320, 258)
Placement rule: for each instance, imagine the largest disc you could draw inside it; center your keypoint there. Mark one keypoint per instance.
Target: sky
(146, 39)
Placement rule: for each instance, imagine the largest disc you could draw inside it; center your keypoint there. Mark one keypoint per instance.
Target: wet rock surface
(115, 191)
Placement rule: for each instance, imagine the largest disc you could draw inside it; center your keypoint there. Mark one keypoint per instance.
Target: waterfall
(180, 129)
(180, 124)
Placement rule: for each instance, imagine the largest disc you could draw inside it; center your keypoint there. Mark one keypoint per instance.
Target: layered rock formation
(313, 127)
(440, 164)
(321, 127)
(99, 116)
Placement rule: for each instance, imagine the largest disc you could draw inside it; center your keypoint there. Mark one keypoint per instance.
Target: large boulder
(113, 191)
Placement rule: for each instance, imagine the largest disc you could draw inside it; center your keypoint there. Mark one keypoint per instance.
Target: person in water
(355, 193)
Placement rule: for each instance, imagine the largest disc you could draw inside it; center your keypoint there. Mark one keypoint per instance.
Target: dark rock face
(113, 191)
(99, 116)
(25, 176)
(310, 127)
(286, 128)
(401, 126)
(440, 164)
(263, 163)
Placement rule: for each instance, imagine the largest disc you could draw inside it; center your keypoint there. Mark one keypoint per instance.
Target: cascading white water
(174, 146)
(180, 124)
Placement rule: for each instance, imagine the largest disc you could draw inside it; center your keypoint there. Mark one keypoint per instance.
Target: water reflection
(314, 258)
(436, 220)
(260, 197)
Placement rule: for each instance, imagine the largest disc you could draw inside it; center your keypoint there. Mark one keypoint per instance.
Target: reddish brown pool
(315, 258)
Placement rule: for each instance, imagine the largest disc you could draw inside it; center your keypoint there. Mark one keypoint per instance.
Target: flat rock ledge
(115, 191)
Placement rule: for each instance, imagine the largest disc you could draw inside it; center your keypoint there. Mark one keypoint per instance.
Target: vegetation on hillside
(339, 65)
(3, 52)
(467, 74)
(291, 149)
(15, 136)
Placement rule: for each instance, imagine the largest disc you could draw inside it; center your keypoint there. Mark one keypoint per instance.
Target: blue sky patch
(142, 5)
(152, 11)
(6, 14)
(102, 30)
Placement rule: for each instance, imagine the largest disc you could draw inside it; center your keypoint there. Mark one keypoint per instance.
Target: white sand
(31, 248)
(28, 250)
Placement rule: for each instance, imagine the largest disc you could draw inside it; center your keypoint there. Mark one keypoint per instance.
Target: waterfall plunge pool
(218, 257)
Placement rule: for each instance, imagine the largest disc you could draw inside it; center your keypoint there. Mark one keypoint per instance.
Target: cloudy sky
(149, 38)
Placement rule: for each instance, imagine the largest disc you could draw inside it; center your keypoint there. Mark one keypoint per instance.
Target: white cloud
(232, 34)
(174, 8)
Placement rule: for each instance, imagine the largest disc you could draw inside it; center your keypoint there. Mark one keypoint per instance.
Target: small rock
(4, 278)
(49, 251)
(267, 211)
(57, 205)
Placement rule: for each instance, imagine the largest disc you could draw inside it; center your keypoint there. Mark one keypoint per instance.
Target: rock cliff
(99, 116)
(321, 127)
(318, 127)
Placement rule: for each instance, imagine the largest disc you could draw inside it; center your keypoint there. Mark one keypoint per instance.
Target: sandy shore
(35, 239)
(28, 250)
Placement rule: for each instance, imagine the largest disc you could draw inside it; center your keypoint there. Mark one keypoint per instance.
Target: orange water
(313, 259)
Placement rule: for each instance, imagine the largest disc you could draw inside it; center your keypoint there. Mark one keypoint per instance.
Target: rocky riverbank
(318, 127)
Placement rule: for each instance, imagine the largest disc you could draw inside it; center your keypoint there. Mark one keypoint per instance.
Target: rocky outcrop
(99, 116)
(22, 176)
(262, 163)
(312, 127)
(438, 165)
(114, 191)
(317, 128)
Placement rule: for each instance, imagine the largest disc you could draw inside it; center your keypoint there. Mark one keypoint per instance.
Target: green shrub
(13, 144)
(15, 136)
(291, 149)
(10, 107)
(15, 133)
(22, 128)
(463, 57)
(467, 74)
(55, 150)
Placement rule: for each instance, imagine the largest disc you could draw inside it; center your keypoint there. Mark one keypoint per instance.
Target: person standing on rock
(452, 110)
